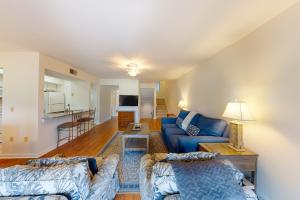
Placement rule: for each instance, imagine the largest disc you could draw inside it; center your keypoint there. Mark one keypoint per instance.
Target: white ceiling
(166, 37)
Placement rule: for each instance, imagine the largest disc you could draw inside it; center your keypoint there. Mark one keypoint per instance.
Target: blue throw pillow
(211, 126)
(179, 122)
(192, 130)
(93, 165)
(183, 114)
(195, 119)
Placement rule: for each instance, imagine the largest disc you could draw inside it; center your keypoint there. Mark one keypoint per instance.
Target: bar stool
(90, 118)
(69, 126)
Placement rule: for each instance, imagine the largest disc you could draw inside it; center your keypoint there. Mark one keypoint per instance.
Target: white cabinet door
(56, 98)
(56, 108)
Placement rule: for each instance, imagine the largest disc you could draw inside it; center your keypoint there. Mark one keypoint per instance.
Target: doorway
(108, 102)
(147, 102)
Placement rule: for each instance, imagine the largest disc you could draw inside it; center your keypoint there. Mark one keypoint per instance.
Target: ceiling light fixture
(133, 69)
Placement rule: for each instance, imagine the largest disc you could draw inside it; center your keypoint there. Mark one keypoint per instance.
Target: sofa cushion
(53, 161)
(192, 130)
(168, 120)
(191, 143)
(164, 126)
(174, 131)
(195, 119)
(163, 176)
(211, 127)
(183, 113)
(173, 143)
(200, 155)
(39, 197)
(179, 122)
(188, 119)
(105, 183)
(73, 180)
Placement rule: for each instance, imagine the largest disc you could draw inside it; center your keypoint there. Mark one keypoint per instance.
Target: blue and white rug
(130, 163)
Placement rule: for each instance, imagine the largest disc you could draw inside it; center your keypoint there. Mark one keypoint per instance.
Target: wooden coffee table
(136, 140)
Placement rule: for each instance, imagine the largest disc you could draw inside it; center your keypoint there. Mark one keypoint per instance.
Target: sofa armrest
(168, 120)
(190, 143)
(102, 180)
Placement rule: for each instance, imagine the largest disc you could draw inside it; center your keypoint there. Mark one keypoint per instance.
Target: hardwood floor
(90, 144)
(128, 196)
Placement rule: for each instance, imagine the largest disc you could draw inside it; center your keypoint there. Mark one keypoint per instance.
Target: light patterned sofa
(157, 179)
(61, 179)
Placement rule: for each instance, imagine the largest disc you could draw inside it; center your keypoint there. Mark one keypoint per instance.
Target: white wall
(105, 103)
(81, 89)
(78, 94)
(48, 128)
(62, 68)
(126, 86)
(147, 102)
(172, 97)
(163, 90)
(20, 100)
(262, 69)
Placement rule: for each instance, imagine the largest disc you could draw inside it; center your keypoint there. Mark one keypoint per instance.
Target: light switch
(12, 109)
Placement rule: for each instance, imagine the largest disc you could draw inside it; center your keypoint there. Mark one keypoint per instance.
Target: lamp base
(236, 136)
(241, 149)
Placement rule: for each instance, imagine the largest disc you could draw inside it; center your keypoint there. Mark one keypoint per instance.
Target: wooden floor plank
(128, 196)
(90, 144)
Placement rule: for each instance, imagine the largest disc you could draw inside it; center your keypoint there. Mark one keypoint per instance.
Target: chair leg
(69, 135)
(77, 131)
(93, 124)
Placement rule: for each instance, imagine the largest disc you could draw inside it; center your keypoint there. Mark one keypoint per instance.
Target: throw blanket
(206, 180)
(187, 120)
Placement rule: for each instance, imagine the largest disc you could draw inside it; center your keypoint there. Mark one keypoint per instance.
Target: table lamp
(238, 111)
(181, 105)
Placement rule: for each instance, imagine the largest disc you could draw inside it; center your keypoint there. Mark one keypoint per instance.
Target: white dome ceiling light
(133, 69)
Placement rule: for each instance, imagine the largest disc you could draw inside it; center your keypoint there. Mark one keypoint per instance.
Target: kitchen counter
(61, 114)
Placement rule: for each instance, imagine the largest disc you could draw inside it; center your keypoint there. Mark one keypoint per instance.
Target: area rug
(129, 164)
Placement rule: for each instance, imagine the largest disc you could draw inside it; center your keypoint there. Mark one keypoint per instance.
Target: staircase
(161, 108)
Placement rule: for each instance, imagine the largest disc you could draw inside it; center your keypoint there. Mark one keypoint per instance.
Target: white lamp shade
(133, 69)
(181, 104)
(238, 110)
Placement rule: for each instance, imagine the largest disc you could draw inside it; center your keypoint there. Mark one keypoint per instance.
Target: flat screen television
(128, 100)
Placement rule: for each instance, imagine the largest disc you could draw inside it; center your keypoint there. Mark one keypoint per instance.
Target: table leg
(147, 144)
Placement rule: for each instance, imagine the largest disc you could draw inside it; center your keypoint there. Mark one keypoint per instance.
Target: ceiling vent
(73, 72)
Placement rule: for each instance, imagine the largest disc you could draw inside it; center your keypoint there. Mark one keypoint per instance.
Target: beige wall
(162, 90)
(20, 99)
(62, 68)
(48, 128)
(26, 134)
(105, 102)
(126, 86)
(262, 69)
(172, 97)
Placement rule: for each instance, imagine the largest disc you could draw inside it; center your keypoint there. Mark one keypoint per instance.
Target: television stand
(125, 118)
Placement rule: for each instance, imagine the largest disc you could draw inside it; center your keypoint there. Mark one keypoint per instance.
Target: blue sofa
(178, 141)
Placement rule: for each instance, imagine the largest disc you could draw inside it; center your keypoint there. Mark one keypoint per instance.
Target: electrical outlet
(26, 139)
(11, 139)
